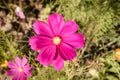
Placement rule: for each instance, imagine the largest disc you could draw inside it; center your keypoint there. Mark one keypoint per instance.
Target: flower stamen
(20, 69)
(56, 40)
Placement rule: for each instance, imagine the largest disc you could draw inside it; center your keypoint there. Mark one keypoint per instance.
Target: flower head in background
(4, 64)
(56, 41)
(117, 54)
(19, 13)
(19, 69)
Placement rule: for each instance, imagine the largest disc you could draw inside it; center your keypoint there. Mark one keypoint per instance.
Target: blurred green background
(98, 20)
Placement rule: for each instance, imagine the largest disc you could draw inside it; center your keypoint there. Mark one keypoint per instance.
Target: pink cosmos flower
(19, 69)
(19, 13)
(56, 41)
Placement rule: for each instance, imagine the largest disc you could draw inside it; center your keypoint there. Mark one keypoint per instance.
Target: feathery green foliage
(99, 22)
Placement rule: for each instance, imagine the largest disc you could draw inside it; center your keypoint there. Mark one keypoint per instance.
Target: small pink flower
(56, 41)
(19, 13)
(19, 69)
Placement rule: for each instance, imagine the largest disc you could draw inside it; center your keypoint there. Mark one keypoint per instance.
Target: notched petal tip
(55, 22)
(24, 61)
(36, 23)
(34, 43)
(55, 15)
(58, 63)
(41, 61)
(40, 27)
(75, 40)
(69, 28)
(82, 41)
(36, 26)
(73, 25)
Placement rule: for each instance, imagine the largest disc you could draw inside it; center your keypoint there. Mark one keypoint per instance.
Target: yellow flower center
(4, 64)
(20, 69)
(118, 53)
(56, 40)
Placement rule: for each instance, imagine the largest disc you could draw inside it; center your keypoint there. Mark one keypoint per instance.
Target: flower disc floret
(20, 69)
(56, 40)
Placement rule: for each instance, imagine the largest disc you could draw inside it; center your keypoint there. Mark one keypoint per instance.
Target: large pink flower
(56, 41)
(19, 69)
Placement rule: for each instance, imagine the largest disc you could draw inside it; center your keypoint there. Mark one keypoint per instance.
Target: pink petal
(11, 72)
(12, 65)
(18, 61)
(28, 74)
(24, 61)
(26, 70)
(66, 52)
(56, 22)
(16, 76)
(46, 55)
(20, 13)
(75, 40)
(42, 28)
(38, 42)
(22, 76)
(34, 42)
(58, 63)
(26, 67)
(68, 28)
